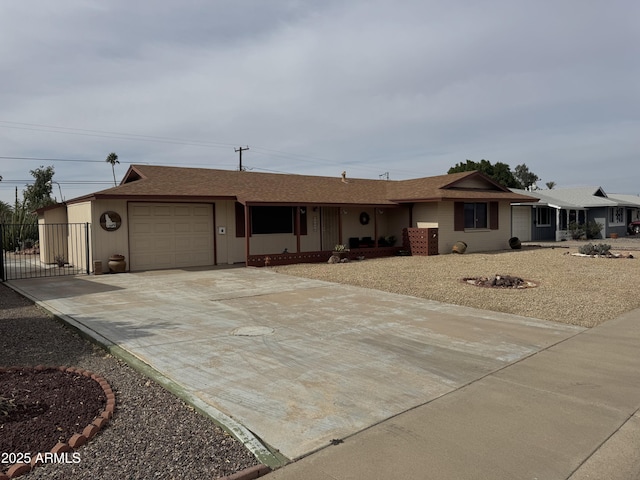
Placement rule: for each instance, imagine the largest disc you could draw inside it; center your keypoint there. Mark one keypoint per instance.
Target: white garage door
(170, 235)
(521, 223)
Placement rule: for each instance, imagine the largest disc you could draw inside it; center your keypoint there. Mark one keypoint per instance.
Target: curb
(77, 439)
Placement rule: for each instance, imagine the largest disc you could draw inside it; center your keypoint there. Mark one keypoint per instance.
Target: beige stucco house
(171, 217)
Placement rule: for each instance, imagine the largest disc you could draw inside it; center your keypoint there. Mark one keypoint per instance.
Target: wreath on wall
(364, 218)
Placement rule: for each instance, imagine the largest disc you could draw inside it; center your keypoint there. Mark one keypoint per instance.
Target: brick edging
(77, 439)
(248, 473)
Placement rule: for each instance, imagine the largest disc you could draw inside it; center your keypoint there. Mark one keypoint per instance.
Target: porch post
(375, 227)
(298, 229)
(247, 240)
(340, 226)
(558, 225)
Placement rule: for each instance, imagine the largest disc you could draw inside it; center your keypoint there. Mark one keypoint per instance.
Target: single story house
(169, 217)
(549, 218)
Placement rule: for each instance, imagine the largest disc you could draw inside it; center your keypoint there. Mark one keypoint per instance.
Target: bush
(576, 230)
(593, 229)
(600, 249)
(590, 230)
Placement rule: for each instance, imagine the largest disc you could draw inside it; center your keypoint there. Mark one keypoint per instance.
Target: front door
(330, 227)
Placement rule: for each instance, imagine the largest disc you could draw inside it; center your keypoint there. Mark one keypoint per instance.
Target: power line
(177, 141)
(106, 134)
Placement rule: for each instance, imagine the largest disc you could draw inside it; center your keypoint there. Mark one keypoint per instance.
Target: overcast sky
(405, 87)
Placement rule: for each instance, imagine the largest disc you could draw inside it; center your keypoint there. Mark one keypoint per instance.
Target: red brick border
(248, 473)
(77, 439)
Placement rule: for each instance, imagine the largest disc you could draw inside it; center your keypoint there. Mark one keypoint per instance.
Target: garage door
(170, 235)
(521, 223)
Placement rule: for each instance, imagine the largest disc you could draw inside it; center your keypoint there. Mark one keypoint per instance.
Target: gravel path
(152, 435)
(576, 290)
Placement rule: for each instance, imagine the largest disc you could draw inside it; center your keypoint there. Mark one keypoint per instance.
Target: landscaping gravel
(582, 291)
(152, 434)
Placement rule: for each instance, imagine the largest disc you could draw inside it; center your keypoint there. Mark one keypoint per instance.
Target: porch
(319, 256)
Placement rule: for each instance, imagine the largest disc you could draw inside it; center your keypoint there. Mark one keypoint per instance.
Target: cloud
(411, 86)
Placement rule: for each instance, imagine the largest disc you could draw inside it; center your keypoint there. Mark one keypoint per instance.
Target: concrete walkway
(416, 389)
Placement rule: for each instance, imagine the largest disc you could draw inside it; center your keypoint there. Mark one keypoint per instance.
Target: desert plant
(593, 229)
(60, 260)
(340, 248)
(600, 249)
(576, 230)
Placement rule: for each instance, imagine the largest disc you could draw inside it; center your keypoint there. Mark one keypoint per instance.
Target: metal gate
(51, 250)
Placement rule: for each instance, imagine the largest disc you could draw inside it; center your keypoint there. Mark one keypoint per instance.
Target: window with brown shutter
(477, 215)
(493, 215)
(239, 220)
(458, 216)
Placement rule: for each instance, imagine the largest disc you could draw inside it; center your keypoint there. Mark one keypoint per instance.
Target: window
(480, 215)
(475, 215)
(543, 217)
(616, 216)
(271, 220)
(277, 219)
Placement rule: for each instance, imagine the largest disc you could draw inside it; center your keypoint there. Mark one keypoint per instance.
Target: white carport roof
(578, 198)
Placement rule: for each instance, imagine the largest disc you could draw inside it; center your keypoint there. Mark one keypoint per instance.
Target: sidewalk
(568, 412)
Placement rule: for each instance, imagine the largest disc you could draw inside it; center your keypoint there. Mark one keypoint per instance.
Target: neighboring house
(556, 209)
(169, 217)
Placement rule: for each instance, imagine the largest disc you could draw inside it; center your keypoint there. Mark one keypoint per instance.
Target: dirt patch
(38, 409)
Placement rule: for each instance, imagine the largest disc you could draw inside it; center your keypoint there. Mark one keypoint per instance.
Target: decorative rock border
(500, 282)
(77, 439)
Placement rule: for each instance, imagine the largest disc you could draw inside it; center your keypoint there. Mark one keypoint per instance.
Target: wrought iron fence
(32, 250)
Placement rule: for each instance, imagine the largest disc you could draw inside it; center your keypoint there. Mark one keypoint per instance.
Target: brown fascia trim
(315, 204)
(163, 198)
(480, 199)
(416, 200)
(462, 199)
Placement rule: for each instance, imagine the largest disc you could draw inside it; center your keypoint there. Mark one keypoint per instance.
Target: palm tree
(113, 159)
(550, 185)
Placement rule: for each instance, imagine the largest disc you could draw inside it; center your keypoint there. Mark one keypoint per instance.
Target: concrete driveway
(297, 362)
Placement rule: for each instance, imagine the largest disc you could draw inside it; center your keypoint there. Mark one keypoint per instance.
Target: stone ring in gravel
(47, 412)
(500, 281)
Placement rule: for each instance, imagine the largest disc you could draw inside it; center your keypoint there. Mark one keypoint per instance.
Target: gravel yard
(152, 435)
(576, 290)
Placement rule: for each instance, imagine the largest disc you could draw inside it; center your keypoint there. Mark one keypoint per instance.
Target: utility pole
(240, 150)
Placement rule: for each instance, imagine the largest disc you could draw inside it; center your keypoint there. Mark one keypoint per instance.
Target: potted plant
(341, 250)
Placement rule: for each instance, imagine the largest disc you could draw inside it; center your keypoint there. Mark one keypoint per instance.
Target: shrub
(576, 230)
(593, 229)
(600, 249)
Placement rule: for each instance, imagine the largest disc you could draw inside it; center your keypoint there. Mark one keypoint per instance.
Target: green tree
(6, 212)
(525, 177)
(38, 194)
(500, 172)
(112, 158)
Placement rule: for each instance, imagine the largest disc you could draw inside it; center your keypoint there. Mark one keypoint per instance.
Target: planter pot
(614, 235)
(514, 243)
(117, 264)
(459, 247)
